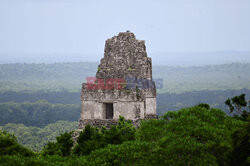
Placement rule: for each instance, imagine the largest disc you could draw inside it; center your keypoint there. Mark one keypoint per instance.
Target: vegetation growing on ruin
(130, 69)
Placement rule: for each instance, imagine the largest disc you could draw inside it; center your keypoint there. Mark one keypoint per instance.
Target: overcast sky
(82, 26)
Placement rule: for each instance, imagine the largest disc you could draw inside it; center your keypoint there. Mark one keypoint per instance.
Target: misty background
(177, 32)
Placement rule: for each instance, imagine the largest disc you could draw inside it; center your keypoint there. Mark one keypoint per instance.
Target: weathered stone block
(124, 57)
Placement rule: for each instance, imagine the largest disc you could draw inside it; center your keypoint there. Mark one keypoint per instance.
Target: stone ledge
(97, 123)
(108, 123)
(151, 116)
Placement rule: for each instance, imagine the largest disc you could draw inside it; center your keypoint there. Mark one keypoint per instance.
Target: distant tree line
(70, 76)
(63, 97)
(165, 101)
(216, 99)
(39, 114)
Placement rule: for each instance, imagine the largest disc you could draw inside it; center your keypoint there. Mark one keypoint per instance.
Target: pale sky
(82, 26)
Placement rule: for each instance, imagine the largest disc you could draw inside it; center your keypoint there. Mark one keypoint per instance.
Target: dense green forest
(40, 113)
(63, 97)
(36, 123)
(34, 137)
(198, 135)
(19, 104)
(38, 102)
(69, 76)
(216, 98)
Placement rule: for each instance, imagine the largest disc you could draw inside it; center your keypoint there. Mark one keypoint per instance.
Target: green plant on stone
(138, 96)
(130, 69)
(128, 91)
(124, 85)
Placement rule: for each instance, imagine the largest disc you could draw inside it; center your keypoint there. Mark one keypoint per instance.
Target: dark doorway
(109, 111)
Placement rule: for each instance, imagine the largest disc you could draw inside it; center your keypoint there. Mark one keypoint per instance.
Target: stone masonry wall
(124, 57)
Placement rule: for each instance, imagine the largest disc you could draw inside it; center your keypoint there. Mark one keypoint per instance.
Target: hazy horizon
(69, 27)
(160, 58)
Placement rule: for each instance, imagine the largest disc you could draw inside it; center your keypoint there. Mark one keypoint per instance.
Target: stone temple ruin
(123, 85)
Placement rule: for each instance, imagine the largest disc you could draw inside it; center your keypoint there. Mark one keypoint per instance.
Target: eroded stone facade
(125, 57)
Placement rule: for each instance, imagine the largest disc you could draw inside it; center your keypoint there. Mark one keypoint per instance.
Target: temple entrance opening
(109, 110)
